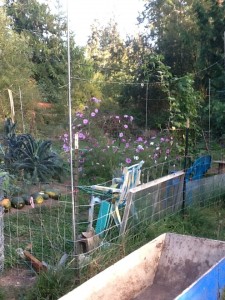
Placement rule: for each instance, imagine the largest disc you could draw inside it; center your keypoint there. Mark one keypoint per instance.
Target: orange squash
(6, 203)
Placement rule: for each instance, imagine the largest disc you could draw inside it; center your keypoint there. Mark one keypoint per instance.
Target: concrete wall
(125, 278)
(161, 269)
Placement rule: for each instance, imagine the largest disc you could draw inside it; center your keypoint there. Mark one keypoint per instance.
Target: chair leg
(93, 201)
(116, 214)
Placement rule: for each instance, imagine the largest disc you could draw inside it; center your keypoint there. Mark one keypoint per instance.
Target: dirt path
(14, 282)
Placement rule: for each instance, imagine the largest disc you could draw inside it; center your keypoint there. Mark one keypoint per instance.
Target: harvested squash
(6, 203)
(18, 202)
(38, 198)
(26, 199)
(44, 195)
(54, 194)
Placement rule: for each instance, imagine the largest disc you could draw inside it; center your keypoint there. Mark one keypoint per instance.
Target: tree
(46, 37)
(171, 26)
(130, 69)
(210, 19)
(185, 102)
(15, 68)
(150, 90)
(107, 52)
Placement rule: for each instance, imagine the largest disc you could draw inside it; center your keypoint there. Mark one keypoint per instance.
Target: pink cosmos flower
(167, 151)
(95, 100)
(81, 136)
(139, 139)
(155, 155)
(96, 110)
(120, 134)
(85, 121)
(125, 126)
(66, 148)
(93, 114)
(140, 147)
(128, 160)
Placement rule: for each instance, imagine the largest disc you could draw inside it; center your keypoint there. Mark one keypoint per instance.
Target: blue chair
(199, 168)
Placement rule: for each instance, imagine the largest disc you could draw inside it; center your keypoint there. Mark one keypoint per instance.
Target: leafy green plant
(34, 159)
(9, 127)
(185, 102)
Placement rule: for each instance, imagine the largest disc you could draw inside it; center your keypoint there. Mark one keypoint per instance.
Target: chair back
(199, 168)
(131, 178)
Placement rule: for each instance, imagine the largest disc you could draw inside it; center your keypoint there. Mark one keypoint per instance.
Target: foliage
(108, 55)
(34, 158)
(52, 285)
(150, 92)
(9, 185)
(189, 34)
(44, 34)
(217, 118)
(127, 68)
(185, 102)
(171, 25)
(15, 67)
(9, 128)
(210, 18)
(108, 142)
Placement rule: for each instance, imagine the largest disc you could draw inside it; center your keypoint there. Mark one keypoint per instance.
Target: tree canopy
(162, 74)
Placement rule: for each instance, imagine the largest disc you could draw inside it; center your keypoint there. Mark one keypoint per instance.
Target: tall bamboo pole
(70, 128)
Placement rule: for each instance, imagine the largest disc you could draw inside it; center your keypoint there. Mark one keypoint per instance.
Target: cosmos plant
(112, 134)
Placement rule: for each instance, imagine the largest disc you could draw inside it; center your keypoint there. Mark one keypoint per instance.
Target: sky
(82, 14)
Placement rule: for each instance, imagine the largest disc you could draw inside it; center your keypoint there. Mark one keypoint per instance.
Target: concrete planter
(161, 269)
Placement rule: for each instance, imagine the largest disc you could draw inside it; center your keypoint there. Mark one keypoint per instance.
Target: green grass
(51, 285)
(208, 222)
(46, 228)
(49, 241)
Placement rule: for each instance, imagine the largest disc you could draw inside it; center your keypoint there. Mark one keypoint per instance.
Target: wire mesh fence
(46, 230)
(153, 200)
(1, 239)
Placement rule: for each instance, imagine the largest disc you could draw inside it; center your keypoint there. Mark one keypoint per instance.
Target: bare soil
(14, 282)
